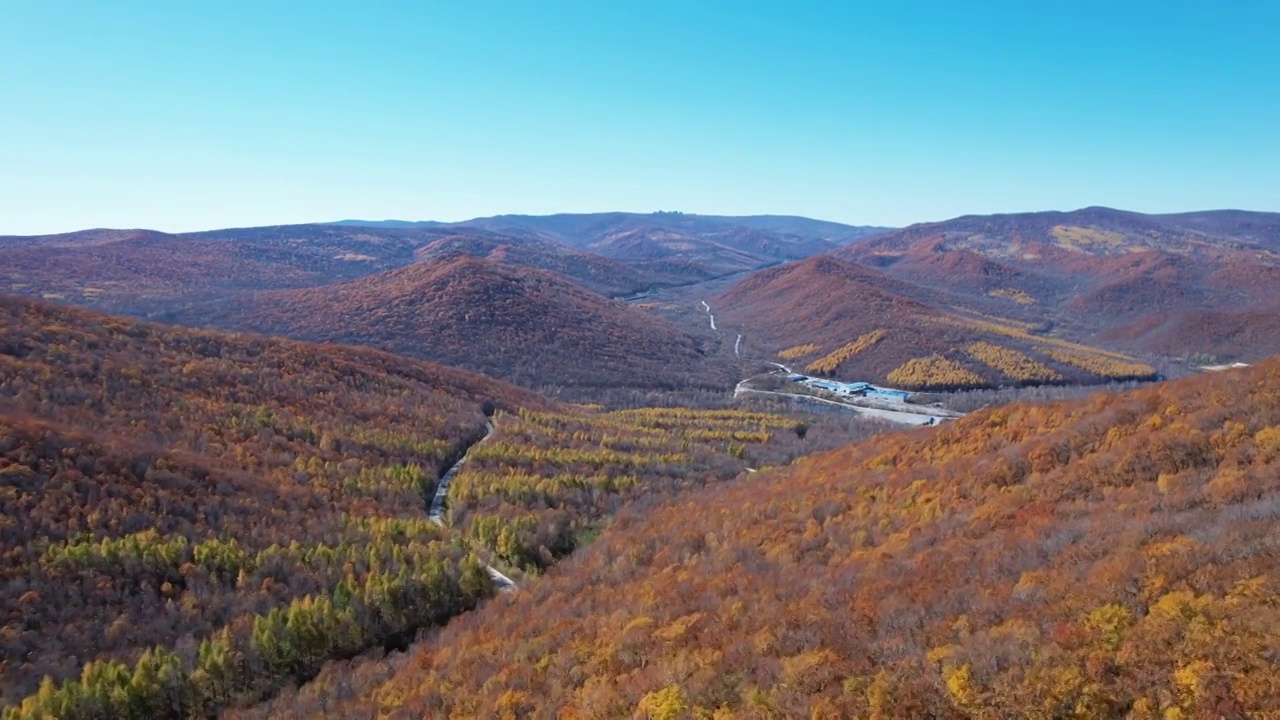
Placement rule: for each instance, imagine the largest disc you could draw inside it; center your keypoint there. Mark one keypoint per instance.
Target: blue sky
(178, 117)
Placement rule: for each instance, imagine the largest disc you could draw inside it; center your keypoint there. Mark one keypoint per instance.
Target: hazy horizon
(349, 219)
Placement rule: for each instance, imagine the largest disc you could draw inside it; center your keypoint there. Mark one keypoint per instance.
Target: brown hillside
(158, 484)
(1241, 281)
(858, 323)
(1089, 271)
(1107, 558)
(1218, 334)
(1139, 283)
(830, 303)
(149, 274)
(521, 324)
(972, 278)
(594, 272)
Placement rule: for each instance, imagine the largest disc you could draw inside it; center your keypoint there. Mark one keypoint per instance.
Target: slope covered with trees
(516, 323)
(844, 320)
(150, 274)
(1105, 558)
(594, 272)
(548, 481)
(1098, 274)
(188, 519)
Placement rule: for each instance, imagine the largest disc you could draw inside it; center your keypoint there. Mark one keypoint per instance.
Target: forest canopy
(1105, 558)
(225, 511)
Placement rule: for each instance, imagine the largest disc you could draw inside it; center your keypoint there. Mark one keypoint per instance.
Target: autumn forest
(561, 467)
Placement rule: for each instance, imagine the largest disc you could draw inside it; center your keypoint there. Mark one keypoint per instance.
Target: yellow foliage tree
(1016, 365)
(665, 704)
(798, 351)
(934, 371)
(828, 364)
(1103, 365)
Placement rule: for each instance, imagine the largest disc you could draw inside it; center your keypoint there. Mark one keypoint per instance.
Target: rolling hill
(695, 247)
(583, 228)
(148, 273)
(1096, 271)
(835, 318)
(1217, 334)
(154, 274)
(712, 246)
(1111, 557)
(159, 485)
(594, 272)
(517, 323)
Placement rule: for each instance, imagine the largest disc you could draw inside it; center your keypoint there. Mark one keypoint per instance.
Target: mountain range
(503, 468)
(1075, 297)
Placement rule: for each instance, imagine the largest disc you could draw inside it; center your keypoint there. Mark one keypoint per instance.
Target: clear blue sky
(183, 115)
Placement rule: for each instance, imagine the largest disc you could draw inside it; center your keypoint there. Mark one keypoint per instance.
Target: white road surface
(894, 416)
(436, 513)
(736, 345)
(707, 307)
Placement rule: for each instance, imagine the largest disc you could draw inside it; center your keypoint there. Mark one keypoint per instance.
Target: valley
(644, 361)
(478, 434)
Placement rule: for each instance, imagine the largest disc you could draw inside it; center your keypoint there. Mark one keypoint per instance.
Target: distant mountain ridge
(1127, 281)
(581, 225)
(152, 274)
(1102, 274)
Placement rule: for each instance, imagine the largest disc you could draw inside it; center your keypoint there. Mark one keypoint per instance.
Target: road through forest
(895, 416)
(436, 511)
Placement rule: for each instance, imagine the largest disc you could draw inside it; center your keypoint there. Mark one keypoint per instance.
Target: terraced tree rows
(1018, 366)
(549, 481)
(935, 372)
(190, 497)
(829, 363)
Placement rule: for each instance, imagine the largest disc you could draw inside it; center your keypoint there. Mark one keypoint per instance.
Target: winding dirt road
(436, 511)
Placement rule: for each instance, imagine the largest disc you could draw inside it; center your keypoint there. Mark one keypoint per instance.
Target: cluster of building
(857, 389)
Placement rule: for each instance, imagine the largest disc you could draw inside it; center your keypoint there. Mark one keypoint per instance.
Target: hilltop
(154, 484)
(831, 317)
(148, 273)
(156, 275)
(593, 272)
(1109, 557)
(1097, 271)
(516, 323)
(583, 228)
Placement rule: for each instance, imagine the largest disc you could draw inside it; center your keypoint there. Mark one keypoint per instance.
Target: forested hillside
(189, 519)
(549, 481)
(830, 317)
(516, 323)
(1104, 558)
(1099, 270)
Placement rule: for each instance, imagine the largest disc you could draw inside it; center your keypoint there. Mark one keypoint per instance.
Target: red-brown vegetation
(520, 324)
(166, 494)
(1110, 557)
(876, 325)
(1097, 271)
